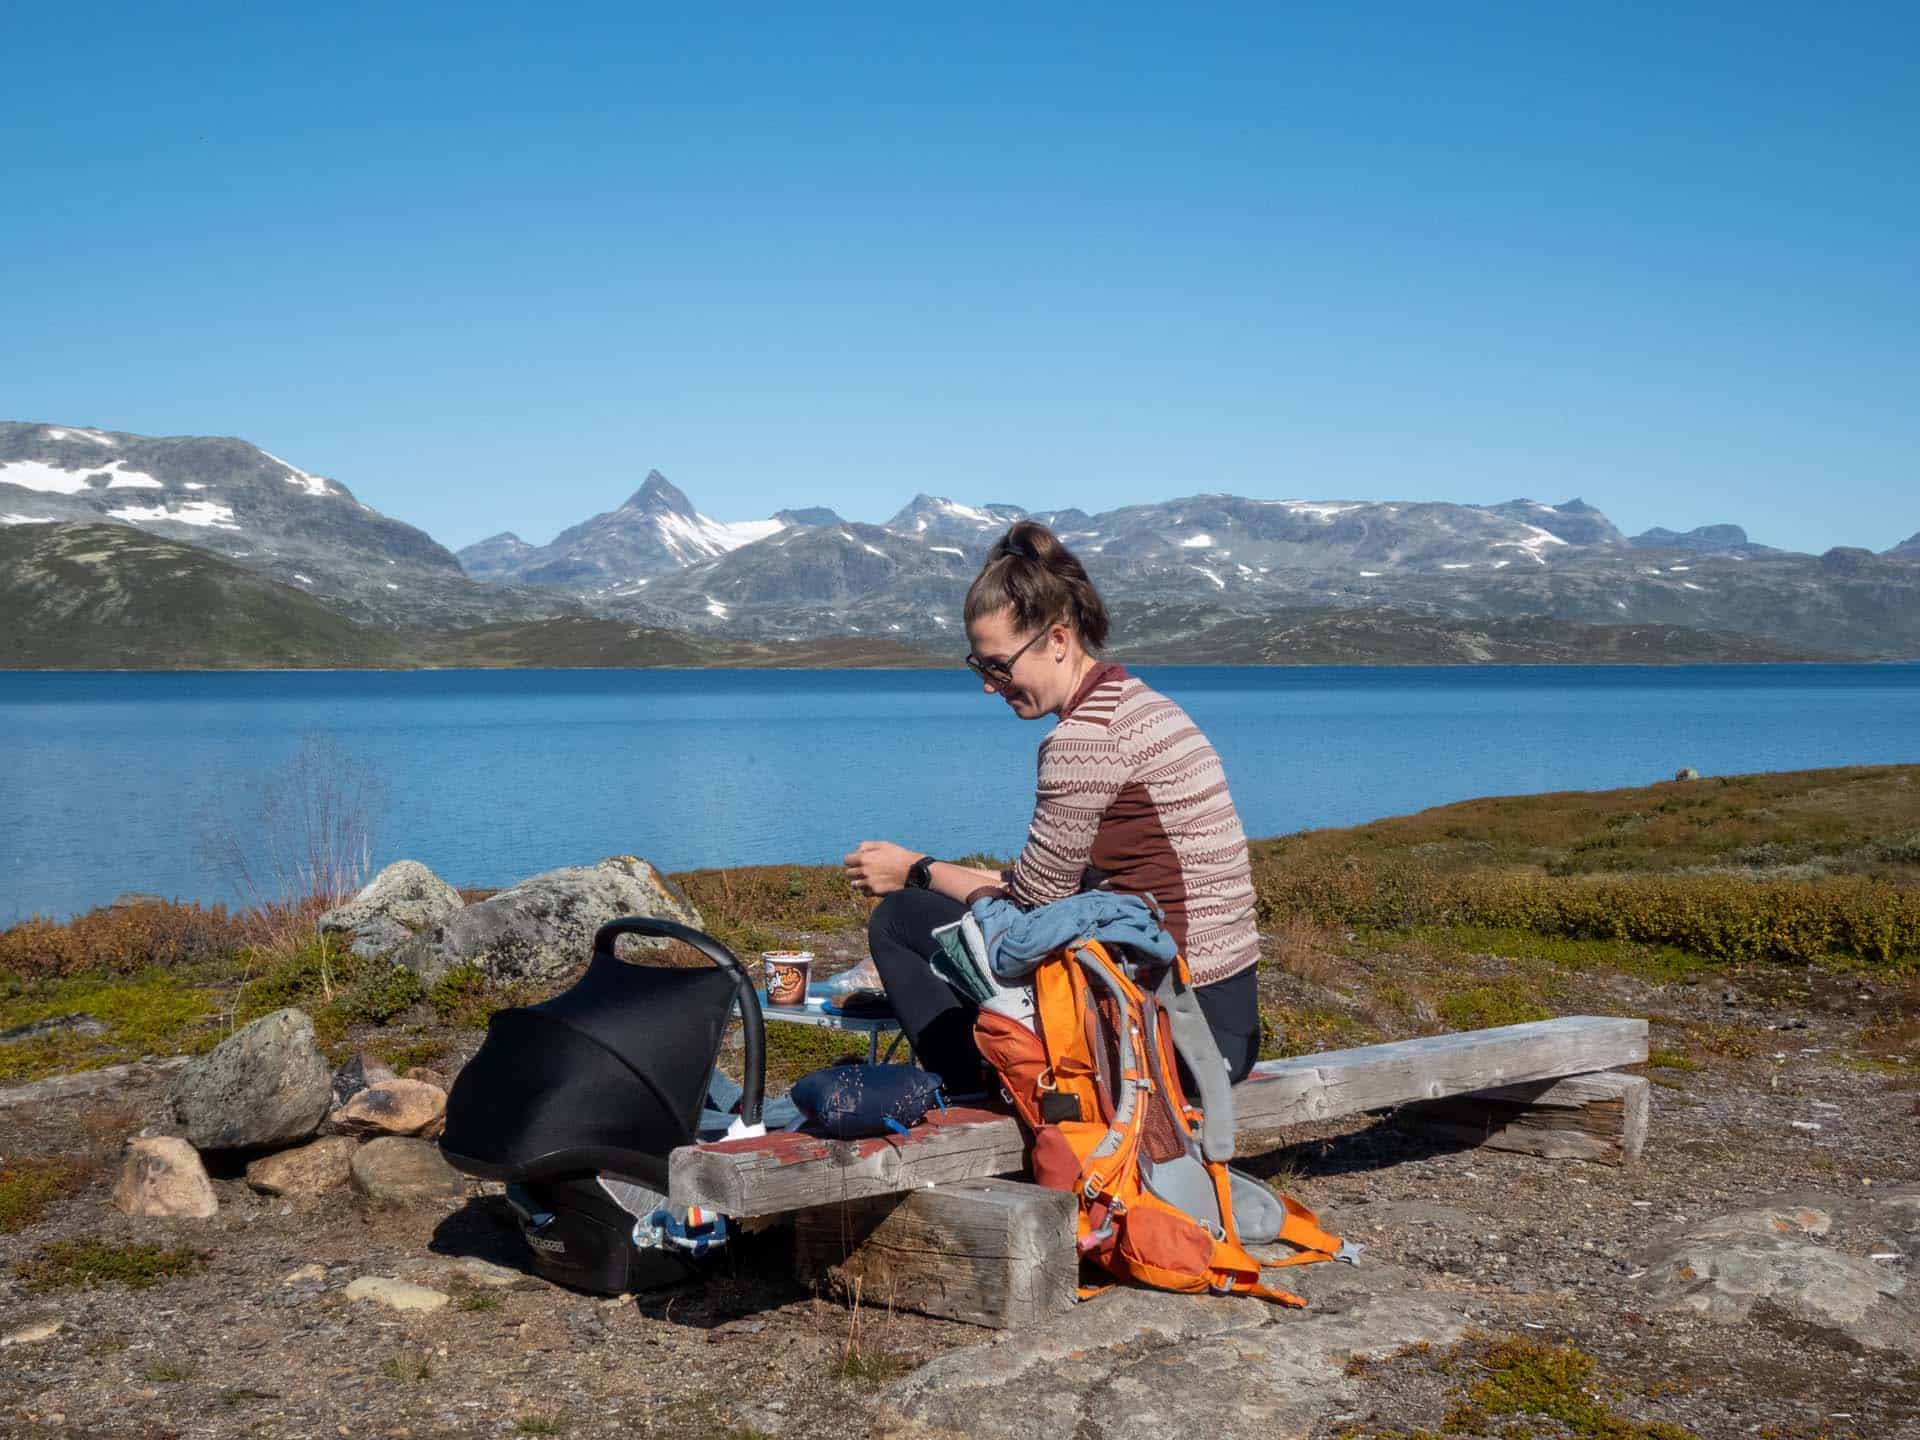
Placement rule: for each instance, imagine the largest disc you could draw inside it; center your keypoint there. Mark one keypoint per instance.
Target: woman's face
(1032, 663)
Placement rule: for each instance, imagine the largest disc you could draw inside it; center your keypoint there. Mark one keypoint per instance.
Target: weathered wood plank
(791, 1172)
(988, 1252)
(1583, 1117)
(1379, 1077)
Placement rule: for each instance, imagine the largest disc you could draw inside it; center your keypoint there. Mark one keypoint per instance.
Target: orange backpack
(1094, 1079)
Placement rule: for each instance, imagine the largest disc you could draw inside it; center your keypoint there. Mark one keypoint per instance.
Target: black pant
(939, 1020)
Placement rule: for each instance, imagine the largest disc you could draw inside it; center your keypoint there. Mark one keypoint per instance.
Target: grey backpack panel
(1193, 1038)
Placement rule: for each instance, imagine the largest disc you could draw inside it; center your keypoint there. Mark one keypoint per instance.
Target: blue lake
(107, 780)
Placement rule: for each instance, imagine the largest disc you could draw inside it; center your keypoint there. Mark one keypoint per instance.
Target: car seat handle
(754, 1082)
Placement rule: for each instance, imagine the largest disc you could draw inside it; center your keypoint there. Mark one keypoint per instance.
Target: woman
(1130, 797)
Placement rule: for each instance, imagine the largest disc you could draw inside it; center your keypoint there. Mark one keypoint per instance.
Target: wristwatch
(920, 874)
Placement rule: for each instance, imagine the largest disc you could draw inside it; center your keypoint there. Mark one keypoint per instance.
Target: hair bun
(1029, 569)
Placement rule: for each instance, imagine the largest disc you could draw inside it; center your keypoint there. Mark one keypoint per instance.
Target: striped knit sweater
(1131, 795)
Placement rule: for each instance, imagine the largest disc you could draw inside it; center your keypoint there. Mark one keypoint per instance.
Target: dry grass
(1303, 949)
(122, 940)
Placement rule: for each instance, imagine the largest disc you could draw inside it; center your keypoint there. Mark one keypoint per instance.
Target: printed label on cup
(787, 972)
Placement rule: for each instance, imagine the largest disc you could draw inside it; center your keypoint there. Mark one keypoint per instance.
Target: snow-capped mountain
(657, 531)
(256, 509)
(935, 519)
(803, 573)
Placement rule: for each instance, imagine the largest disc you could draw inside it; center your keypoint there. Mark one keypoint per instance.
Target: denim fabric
(1018, 940)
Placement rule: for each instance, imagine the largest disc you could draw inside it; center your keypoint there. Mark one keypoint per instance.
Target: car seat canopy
(607, 1076)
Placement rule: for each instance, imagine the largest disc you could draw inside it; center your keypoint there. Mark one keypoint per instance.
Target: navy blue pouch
(850, 1102)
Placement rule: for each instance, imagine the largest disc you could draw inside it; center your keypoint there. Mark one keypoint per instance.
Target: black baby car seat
(577, 1103)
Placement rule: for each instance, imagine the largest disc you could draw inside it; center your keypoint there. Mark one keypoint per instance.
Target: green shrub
(1903, 849)
(69, 1264)
(313, 975)
(465, 998)
(381, 992)
(1481, 1007)
(28, 1188)
(418, 1050)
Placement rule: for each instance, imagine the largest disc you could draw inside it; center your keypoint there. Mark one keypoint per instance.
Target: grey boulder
(543, 927)
(404, 900)
(265, 1084)
(1145, 1365)
(1835, 1264)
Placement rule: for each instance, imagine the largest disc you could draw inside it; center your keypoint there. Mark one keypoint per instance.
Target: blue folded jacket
(1018, 940)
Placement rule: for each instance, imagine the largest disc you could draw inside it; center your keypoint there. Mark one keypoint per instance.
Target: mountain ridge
(656, 561)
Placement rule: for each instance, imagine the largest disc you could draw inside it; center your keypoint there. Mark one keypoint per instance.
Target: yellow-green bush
(1724, 917)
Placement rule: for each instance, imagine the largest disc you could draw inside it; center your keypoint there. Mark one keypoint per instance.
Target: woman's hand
(878, 867)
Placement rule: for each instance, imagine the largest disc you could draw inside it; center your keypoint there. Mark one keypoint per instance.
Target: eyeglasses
(1000, 672)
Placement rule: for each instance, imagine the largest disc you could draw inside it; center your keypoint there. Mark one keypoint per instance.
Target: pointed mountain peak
(658, 495)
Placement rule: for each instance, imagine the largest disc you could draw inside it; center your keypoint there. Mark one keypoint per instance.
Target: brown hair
(1029, 569)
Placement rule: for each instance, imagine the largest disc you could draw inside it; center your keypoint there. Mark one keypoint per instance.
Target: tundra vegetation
(1663, 882)
(1722, 910)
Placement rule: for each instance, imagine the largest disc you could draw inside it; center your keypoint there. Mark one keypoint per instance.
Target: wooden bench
(919, 1220)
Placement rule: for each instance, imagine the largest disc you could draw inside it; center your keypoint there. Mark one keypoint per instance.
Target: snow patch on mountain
(125, 479)
(203, 513)
(312, 484)
(10, 519)
(689, 538)
(1320, 509)
(48, 479)
(1197, 542)
(63, 432)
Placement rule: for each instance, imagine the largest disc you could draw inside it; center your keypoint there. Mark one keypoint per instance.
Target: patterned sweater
(1131, 795)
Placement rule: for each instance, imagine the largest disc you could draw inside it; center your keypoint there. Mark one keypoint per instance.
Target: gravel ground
(1543, 1249)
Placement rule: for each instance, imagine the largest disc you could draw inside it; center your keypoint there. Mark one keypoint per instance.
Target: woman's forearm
(957, 882)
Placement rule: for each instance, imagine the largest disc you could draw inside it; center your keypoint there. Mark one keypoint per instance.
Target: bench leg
(1601, 1117)
(998, 1253)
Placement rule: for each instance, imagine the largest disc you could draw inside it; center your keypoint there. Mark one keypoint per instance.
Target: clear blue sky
(488, 264)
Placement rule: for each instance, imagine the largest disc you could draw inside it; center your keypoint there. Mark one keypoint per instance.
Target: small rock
(356, 1075)
(392, 1107)
(475, 1271)
(431, 1077)
(395, 1170)
(396, 1294)
(32, 1334)
(312, 1169)
(305, 1275)
(163, 1177)
(266, 1084)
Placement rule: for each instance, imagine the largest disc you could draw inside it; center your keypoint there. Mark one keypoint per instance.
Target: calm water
(106, 779)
